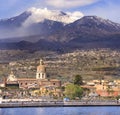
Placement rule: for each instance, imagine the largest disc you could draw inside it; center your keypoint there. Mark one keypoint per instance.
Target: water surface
(61, 111)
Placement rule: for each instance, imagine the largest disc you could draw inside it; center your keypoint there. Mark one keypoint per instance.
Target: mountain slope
(51, 31)
(87, 28)
(35, 22)
(14, 22)
(12, 27)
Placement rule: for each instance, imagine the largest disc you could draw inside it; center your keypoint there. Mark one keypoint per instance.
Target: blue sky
(108, 9)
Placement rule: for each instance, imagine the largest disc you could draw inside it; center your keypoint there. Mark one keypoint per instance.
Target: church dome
(41, 68)
(41, 71)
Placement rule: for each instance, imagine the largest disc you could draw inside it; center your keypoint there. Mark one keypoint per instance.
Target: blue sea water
(61, 111)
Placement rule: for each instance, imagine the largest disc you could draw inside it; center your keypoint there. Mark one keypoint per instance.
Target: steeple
(41, 70)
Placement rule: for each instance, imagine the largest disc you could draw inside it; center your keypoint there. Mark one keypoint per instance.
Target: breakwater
(56, 104)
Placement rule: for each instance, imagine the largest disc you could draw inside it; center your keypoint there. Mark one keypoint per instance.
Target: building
(28, 83)
(110, 89)
(11, 81)
(11, 77)
(104, 88)
(39, 81)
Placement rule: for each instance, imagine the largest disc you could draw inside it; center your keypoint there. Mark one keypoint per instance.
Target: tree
(72, 91)
(78, 80)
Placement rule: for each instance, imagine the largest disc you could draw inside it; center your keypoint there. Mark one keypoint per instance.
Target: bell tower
(41, 70)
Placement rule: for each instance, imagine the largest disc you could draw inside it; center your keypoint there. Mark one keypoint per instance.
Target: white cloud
(38, 15)
(68, 3)
(75, 15)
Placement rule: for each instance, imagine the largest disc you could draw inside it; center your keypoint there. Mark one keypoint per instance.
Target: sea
(61, 111)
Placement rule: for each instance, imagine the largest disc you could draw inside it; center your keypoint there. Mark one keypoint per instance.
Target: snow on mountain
(100, 20)
(95, 21)
(56, 25)
(39, 15)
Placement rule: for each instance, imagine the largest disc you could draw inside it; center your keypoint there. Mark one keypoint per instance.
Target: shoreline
(56, 104)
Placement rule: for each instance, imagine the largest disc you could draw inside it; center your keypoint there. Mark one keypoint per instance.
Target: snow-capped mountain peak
(39, 15)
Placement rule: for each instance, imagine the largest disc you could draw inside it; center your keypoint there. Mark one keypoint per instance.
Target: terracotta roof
(27, 79)
(44, 80)
(54, 80)
(12, 82)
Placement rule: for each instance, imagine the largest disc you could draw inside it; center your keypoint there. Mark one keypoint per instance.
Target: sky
(108, 9)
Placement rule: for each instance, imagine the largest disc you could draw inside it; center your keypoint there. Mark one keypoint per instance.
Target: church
(38, 82)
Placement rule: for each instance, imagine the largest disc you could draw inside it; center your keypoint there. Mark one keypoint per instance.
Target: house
(104, 88)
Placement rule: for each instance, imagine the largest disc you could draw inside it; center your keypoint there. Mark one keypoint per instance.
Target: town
(42, 86)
